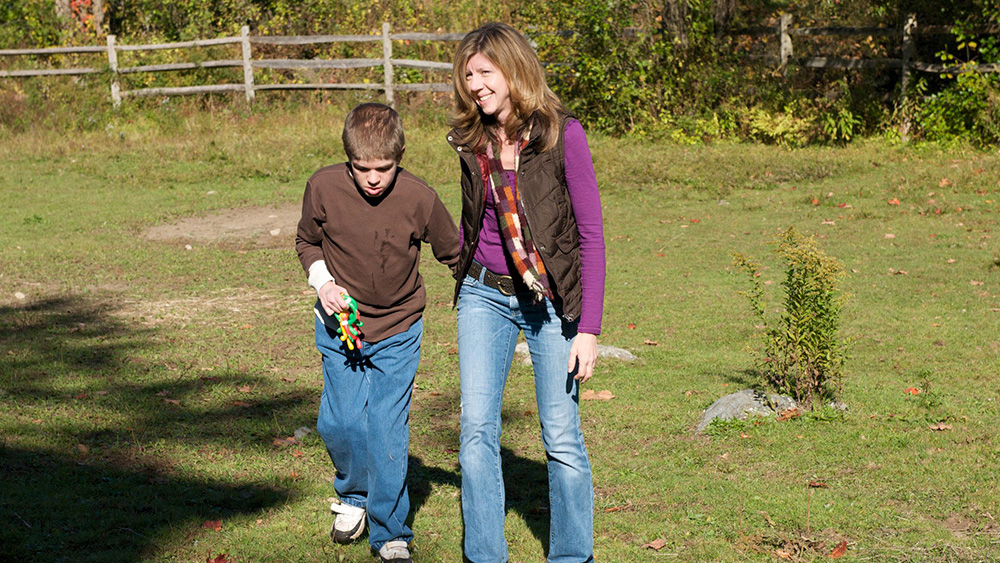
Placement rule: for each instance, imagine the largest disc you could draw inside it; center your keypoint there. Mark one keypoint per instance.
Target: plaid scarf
(514, 231)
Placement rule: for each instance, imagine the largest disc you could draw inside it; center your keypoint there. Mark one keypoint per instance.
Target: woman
(532, 260)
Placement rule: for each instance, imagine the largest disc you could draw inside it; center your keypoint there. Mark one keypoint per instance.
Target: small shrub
(801, 353)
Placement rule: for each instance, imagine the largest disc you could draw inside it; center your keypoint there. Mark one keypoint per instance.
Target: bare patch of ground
(258, 227)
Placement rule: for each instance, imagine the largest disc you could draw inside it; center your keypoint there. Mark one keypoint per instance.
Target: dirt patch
(260, 227)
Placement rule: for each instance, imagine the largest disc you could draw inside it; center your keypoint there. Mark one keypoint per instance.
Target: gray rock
(743, 405)
(302, 432)
(602, 352)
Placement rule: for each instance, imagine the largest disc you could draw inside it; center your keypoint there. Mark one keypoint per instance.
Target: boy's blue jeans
(364, 421)
(488, 325)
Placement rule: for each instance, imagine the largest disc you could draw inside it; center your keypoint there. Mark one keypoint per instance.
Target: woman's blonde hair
(532, 102)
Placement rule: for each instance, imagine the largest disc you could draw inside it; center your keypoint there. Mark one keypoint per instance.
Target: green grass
(144, 384)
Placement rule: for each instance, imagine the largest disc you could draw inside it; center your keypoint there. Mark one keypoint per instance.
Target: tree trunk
(62, 9)
(722, 14)
(675, 21)
(98, 7)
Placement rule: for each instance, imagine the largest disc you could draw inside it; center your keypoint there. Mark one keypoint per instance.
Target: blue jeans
(488, 325)
(364, 420)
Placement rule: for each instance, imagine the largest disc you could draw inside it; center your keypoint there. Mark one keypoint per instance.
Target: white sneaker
(349, 522)
(394, 551)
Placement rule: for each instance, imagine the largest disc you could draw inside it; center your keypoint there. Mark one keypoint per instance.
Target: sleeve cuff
(319, 275)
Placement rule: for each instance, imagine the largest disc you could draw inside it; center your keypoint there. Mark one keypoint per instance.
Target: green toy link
(350, 324)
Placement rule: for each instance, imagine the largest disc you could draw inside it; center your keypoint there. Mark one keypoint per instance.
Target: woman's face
(488, 87)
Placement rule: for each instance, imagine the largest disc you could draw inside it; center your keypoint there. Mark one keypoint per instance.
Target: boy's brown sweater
(372, 247)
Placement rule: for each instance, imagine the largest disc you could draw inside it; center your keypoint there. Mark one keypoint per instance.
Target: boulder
(602, 352)
(743, 405)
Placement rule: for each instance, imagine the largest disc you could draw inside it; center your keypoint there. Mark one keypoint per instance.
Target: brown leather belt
(503, 284)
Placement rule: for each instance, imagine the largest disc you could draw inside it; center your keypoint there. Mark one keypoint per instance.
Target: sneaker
(394, 551)
(348, 524)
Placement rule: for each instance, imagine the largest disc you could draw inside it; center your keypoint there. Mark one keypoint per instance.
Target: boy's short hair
(373, 132)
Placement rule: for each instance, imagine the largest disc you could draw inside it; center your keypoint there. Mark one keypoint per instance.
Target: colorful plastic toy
(350, 325)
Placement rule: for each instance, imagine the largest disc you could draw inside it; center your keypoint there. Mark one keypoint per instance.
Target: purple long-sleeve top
(581, 183)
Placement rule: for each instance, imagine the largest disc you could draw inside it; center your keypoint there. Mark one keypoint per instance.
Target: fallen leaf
(289, 379)
(893, 201)
(212, 525)
(788, 414)
(944, 183)
(80, 396)
(974, 282)
(839, 551)
(950, 260)
(890, 235)
(163, 393)
(940, 427)
(82, 448)
(618, 508)
(818, 485)
(842, 205)
(241, 404)
(590, 395)
(912, 391)
(172, 401)
(245, 389)
(815, 201)
(648, 342)
(656, 544)
(246, 326)
(282, 442)
(828, 222)
(896, 272)
(630, 326)
(744, 435)
(692, 392)
(298, 453)
(782, 554)
(220, 558)
(696, 220)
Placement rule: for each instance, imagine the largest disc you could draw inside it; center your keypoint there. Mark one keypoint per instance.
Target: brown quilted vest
(541, 182)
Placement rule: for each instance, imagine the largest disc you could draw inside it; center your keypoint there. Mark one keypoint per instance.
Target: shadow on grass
(59, 509)
(79, 403)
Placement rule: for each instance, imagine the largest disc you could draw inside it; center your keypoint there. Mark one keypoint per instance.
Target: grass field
(148, 389)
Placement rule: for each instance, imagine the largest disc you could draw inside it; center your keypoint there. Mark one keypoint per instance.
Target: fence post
(908, 51)
(116, 96)
(785, 40)
(247, 67)
(390, 95)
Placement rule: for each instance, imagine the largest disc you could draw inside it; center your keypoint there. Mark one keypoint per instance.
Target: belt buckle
(505, 284)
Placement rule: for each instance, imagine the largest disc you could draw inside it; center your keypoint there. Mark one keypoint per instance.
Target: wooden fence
(907, 35)
(784, 32)
(249, 87)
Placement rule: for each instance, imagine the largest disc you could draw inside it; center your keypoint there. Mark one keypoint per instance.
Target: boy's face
(373, 177)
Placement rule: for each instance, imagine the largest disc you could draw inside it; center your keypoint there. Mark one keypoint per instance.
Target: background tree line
(660, 68)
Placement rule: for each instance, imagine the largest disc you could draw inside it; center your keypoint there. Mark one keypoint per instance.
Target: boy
(362, 224)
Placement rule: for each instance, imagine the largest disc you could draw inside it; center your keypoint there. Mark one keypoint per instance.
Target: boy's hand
(583, 356)
(331, 297)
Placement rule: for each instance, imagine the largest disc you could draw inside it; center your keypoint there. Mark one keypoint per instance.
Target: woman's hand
(331, 297)
(583, 356)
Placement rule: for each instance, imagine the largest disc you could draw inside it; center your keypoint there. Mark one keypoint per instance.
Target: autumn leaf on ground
(890, 235)
(893, 201)
(283, 442)
(212, 525)
(940, 427)
(298, 453)
(590, 395)
(818, 485)
(896, 272)
(649, 342)
(631, 326)
(245, 389)
(241, 404)
(656, 544)
(163, 393)
(220, 558)
(839, 551)
(912, 391)
(782, 554)
(974, 282)
(172, 401)
(944, 183)
(789, 414)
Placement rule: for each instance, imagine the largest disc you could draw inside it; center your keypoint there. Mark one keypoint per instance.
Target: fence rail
(249, 86)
